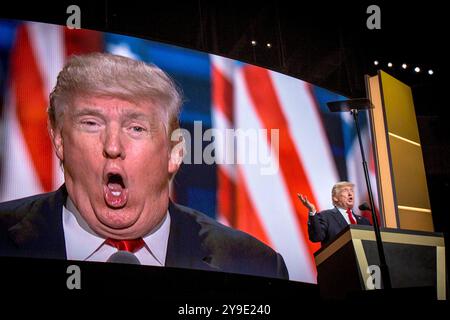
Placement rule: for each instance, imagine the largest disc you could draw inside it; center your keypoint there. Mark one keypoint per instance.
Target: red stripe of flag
(222, 97)
(31, 106)
(79, 41)
(247, 218)
(222, 94)
(226, 196)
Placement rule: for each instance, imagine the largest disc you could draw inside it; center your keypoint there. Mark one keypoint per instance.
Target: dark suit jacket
(325, 225)
(32, 227)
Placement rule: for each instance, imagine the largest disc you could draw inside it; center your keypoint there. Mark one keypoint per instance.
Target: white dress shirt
(83, 244)
(345, 215)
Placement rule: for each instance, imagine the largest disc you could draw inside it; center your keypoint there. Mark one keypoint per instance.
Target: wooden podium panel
(415, 259)
(404, 201)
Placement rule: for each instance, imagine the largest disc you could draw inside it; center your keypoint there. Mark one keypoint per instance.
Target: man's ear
(57, 140)
(335, 200)
(176, 155)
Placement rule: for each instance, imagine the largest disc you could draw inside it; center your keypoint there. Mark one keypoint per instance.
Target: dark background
(326, 43)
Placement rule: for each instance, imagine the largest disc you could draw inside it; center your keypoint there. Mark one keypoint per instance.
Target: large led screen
(254, 138)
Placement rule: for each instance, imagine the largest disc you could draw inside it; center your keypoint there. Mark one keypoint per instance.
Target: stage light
(269, 45)
(253, 43)
(390, 64)
(375, 62)
(430, 72)
(417, 69)
(404, 66)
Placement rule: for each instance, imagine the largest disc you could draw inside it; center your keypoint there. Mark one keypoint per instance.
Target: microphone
(122, 256)
(364, 207)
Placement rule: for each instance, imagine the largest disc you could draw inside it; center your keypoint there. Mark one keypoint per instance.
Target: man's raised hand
(306, 203)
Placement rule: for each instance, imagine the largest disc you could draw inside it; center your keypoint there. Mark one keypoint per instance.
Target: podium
(349, 264)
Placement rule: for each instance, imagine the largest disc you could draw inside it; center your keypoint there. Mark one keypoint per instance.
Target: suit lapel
(339, 218)
(40, 233)
(185, 249)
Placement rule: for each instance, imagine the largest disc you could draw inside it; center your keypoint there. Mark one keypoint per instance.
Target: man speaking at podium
(111, 120)
(325, 225)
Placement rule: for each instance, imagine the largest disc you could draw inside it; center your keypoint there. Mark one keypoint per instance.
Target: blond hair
(108, 75)
(338, 187)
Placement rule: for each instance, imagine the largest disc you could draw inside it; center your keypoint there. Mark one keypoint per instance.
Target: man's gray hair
(108, 75)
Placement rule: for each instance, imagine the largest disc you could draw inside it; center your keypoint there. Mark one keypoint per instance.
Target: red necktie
(350, 216)
(126, 245)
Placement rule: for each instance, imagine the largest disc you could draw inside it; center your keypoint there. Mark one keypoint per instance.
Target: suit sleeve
(282, 271)
(364, 221)
(317, 228)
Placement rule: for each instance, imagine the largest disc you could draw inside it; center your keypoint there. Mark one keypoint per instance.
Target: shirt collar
(158, 239)
(82, 241)
(342, 210)
(345, 215)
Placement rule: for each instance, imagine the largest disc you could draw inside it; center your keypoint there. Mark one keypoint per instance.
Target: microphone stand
(383, 266)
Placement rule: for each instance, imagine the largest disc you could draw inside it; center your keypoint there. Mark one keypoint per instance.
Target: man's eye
(138, 129)
(89, 123)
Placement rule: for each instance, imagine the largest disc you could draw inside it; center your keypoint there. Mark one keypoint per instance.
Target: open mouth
(115, 191)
